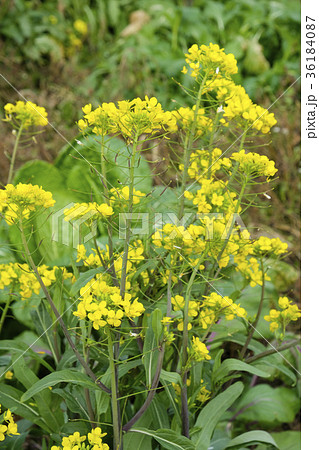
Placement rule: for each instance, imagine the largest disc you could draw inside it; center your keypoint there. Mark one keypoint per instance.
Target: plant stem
(109, 223)
(184, 412)
(29, 259)
(128, 221)
(271, 351)
(151, 392)
(14, 153)
(254, 325)
(117, 438)
(188, 147)
(5, 310)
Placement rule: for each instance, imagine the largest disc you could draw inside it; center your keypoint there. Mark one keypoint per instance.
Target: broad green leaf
(10, 398)
(288, 440)
(252, 438)
(217, 361)
(20, 347)
(51, 250)
(268, 406)
(87, 159)
(138, 441)
(75, 403)
(150, 352)
(158, 412)
(171, 395)
(52, 417)
(170, 377)
(231, 364)
(156, 323)
(209, 416)
(64, 376)
(168, 439)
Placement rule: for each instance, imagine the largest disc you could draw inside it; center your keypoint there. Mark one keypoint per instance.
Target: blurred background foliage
(63, 54)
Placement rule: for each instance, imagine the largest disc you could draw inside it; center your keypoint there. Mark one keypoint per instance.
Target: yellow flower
(280, 319)
(129, 118)
(8, 375)
(210, 60)
(81, 26)
(17, 202)
(26, 114)
(91, 211)
(254, 164)
(199, 350)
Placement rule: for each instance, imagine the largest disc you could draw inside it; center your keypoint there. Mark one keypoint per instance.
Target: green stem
(151, 392)
(115, 410)
(211, 141)
(31, 263)
(14, 153)
(254, 325)
(185, 413)
(109, 223)
(271, 351)
(189, 146)
(128, 221)
(5, 310)
(241, 194)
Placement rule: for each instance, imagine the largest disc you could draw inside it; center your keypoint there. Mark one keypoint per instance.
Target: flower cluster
(213, 196)
(81, 27)
(248, 257)
(26, 114)
(135, 256)
(77, 442)
(21, 277)
(280, 319)
(269, 246)
(129, 118)
(208, 311)
(199, 351)
(17, 202)
(215, 306)
(8, 427)
(103, 305)
(119, 197)
(203, 393)
(254, 165)
(204, 164)
(90, 211)
(210, 60)
(186, 117)
(238, 106)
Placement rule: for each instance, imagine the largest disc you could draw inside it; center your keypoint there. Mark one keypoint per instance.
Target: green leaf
(10, 398)
(231, 364)
(64, 376)
(137, 441)
(252, 438)
(156, 323)
(53, 418)
(87, 157)
(209, 416)
(288, 440)
(159, 412)
(18, 346)
(168, 439)
(170, 377)
(268, 406)
(150, 351)
(51, 251)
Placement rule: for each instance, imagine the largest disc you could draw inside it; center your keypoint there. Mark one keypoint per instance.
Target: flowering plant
(138, 318)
